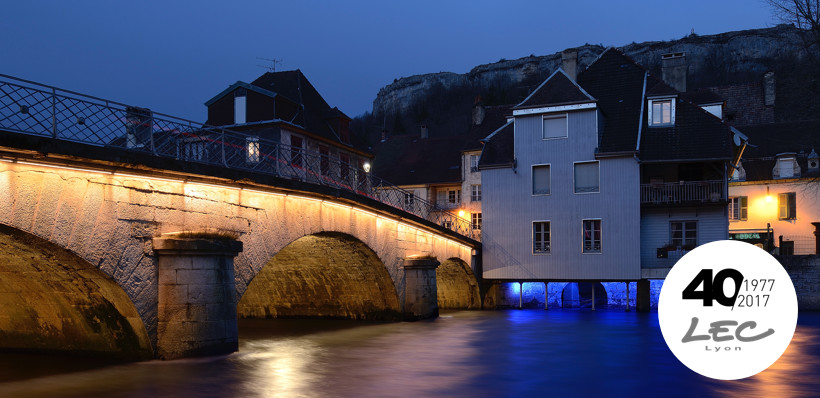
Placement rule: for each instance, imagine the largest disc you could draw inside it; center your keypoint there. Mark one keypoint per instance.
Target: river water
(565, 353)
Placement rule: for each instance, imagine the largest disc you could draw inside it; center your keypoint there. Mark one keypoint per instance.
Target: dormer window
(662, 112)
(240, 105)
(786, 167)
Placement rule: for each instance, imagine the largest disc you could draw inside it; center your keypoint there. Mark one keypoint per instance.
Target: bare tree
(805, 14)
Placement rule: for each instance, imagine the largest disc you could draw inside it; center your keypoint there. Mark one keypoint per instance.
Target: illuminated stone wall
(52, 300)
(457, 286)
(109, 218)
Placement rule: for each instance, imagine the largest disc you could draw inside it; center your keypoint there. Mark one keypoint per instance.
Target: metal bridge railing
(32, 108)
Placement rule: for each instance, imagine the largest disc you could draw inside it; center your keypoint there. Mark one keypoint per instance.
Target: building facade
(605, 177)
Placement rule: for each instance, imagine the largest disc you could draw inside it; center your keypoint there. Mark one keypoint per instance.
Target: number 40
(713, 288)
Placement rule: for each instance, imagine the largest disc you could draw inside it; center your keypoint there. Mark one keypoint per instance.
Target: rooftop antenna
(273, 62)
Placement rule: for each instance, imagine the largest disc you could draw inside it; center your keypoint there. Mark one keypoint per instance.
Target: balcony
(683, 192)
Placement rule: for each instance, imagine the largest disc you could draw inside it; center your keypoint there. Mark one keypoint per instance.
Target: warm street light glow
(366, 167)
(461, 213)
(768, 195)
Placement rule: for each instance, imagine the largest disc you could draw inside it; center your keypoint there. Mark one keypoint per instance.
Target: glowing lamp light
(768, 195)
(366, 167)
(461, 213)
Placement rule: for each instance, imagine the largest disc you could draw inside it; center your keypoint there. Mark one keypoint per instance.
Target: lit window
(586, 177)
(541, 179)
(554, 127)
(592, 236)
(787, 206)
(661, 112)
(684, 234)
(475, 219)
(252, 149)
(540, 237)
(475, 195)
(738, 208)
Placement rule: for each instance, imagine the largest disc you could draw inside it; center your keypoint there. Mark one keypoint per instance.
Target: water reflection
(471, 354)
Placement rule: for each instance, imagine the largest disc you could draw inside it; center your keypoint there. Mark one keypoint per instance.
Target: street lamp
(366, 167)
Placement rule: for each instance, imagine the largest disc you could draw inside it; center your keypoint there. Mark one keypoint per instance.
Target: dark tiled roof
(617, 82)
(408, 159)
(766, 140)
(696, 134)
(557, 89)
(761, 169)
(701, 97)
(498, 148)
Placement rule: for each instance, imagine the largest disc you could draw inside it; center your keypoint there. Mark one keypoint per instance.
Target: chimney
(569, 63)
(478, 112)
(674, 69)
(769, 88)
(423, 131)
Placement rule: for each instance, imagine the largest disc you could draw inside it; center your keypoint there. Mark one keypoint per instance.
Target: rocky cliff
(713, 60)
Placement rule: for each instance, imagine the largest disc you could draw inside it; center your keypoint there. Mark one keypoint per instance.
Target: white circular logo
(727, 310)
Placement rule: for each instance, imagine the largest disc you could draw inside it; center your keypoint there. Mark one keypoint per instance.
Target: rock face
(712, 59)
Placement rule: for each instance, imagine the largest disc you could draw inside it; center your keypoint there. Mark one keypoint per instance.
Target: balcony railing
(31, 108)
(683, 192)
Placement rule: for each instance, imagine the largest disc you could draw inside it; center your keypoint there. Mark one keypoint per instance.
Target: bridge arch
(325, 274)
(53, 300)
(457, 285)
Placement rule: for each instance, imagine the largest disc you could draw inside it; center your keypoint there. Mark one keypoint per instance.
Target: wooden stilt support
(627, 296)
(520, 295)
(546, 296)
(593, 295)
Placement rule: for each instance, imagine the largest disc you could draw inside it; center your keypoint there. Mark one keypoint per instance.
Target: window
(473, 163)
(252, 149)
(194, 148)
(240, 105)
(409, 199)
(296, 150)
(475, 219)
(540, 237)
(786, 168)
(787, 206)
(592, 236)
(448, 198)
(586, 177)
(541, 179)
(324, 160)
(738, 208)
(661, 112)
(344, 166)
(684, 234)
(475, 195)
(554, 127)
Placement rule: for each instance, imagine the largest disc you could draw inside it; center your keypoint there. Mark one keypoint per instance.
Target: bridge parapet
(35, 109)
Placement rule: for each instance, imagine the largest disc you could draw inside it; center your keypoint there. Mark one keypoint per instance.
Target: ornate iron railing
(32, 108)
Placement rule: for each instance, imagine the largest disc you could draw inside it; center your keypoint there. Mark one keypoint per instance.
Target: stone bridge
(111, 252)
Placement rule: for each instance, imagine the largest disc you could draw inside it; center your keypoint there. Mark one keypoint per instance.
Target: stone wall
(805, 274)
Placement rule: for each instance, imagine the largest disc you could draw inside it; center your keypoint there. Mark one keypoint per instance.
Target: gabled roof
(620, 87)
(558, 89)
(314, 115)
(237, 85)
(767, 140)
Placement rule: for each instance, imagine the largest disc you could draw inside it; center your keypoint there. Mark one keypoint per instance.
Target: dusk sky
(173, 56)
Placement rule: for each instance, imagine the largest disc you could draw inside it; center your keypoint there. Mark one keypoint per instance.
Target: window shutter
(555, 127)
(792, 205)
(540, 180)
(586, 177)
(743, 209)
(782, 206)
